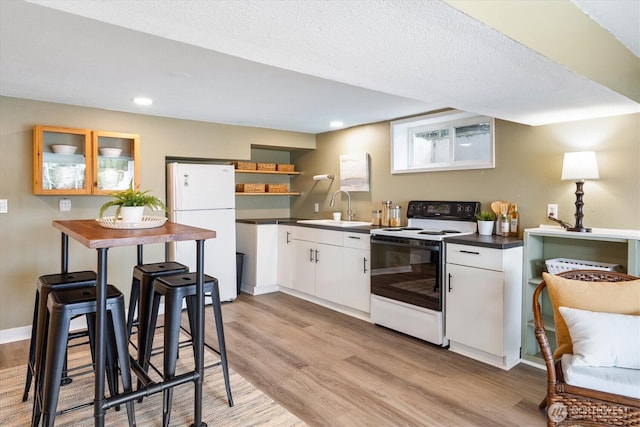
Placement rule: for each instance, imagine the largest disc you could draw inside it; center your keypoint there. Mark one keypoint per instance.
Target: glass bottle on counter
(376, 217)
(386, 211)
(504, 225)
(394, 216)
(514, 221)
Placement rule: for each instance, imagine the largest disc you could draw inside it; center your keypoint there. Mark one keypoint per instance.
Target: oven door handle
(434, 247)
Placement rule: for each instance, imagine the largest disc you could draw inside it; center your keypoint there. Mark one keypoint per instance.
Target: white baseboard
(24, 332)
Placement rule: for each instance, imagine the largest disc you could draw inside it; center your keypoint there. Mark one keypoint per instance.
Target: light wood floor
(330, 369)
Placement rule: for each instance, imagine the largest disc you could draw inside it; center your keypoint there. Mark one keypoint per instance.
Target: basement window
(452, 140)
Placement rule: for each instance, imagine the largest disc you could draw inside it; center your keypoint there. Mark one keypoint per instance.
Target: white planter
(485, 228)
(132, 213)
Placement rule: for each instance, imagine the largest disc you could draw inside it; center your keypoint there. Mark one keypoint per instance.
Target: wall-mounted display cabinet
(69, 161)
(621, 247)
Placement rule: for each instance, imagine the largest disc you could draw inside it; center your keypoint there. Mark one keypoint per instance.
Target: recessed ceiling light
(143, 101)
(336, 124)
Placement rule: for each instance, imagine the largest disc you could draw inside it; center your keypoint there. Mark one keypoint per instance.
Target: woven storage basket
(250, 188)
(277, 188)
(245, 166)
(558, 265)
(285, 168)
(266, 166)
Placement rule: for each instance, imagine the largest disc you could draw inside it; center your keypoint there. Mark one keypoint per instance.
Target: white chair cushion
(621, 381)
(603, 339)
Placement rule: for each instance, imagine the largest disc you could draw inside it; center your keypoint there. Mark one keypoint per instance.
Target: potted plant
(131, 203)
(486, 220)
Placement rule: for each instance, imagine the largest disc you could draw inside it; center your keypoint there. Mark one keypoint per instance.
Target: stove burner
(451, 231)
(392, 229)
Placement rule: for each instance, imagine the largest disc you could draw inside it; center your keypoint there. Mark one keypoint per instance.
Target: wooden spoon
(495, 207)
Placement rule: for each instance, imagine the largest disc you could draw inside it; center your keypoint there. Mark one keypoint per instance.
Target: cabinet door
(357, 279)
(61, 173)
(285, 256)
(115, 170)
(329, 281)
(304, 267)
(474, 308)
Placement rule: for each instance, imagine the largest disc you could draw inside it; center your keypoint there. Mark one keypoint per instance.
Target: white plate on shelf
(147, 222)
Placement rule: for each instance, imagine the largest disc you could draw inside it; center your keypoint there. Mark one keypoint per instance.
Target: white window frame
(402, 132)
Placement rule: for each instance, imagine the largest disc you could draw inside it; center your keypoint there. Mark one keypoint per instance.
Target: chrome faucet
(350, 213)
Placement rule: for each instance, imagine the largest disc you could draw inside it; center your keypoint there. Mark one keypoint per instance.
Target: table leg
(64, 254)
(199, 335)
(101, 305)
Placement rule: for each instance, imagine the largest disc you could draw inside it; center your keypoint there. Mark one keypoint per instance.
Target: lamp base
(579, 229)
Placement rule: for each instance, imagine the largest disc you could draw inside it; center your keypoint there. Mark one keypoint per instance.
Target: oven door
(407, 270)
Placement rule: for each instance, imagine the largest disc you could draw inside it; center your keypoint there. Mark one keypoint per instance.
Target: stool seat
(175, 288)
(62, 306)
(44, 286)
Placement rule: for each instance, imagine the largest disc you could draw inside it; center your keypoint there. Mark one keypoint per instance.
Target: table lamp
(578, 167)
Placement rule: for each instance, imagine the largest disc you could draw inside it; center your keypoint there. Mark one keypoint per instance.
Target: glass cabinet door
(62, 160)
(116, 165)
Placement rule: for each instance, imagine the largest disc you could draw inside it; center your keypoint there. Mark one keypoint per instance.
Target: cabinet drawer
(475, 256)
(318, 235)
(356, 240)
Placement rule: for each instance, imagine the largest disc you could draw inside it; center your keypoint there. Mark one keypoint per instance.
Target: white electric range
(407, 267)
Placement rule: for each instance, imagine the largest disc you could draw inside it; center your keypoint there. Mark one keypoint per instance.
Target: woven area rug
(251, 406)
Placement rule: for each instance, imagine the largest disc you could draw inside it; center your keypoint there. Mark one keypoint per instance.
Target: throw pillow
(606, 297)
(603, 339)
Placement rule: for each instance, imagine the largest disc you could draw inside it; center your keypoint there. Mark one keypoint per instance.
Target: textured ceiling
(285, 64)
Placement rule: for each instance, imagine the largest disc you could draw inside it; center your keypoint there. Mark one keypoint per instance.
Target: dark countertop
(259, 221)
(293, 221)
(495, 242)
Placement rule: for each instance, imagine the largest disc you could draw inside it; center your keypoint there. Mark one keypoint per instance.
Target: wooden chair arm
(541, 335)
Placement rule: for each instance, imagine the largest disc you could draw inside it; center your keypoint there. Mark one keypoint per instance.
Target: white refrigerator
(203, 195)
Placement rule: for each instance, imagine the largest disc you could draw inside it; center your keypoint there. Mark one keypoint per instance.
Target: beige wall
(527, 172)
(528, 165)
(29, 246)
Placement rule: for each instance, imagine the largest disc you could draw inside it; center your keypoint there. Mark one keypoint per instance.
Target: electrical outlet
(4, 206)
(316, 207)
(552, 210)
(64, 205)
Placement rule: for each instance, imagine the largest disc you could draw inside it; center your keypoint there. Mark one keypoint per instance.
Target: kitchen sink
(333, 223)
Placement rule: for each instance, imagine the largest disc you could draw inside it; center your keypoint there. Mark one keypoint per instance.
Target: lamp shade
(579, 166)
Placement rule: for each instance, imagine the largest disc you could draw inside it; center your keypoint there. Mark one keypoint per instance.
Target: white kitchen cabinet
(329, 282)
(357, 275)
(483, 303)
(257, 242)
(332, 267)
(285, 255)
(317, 268)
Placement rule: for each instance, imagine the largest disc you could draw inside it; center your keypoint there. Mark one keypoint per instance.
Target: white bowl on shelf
(63, 149)
(110, 152)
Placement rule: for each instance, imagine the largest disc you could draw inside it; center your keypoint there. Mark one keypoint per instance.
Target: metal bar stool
(62, 306)
(142, 294)
(44, 286)
(174, 289)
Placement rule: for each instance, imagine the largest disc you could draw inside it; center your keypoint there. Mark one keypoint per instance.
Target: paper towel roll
(322, 177)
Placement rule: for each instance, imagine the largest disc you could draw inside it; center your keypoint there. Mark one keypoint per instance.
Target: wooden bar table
(94, 236)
